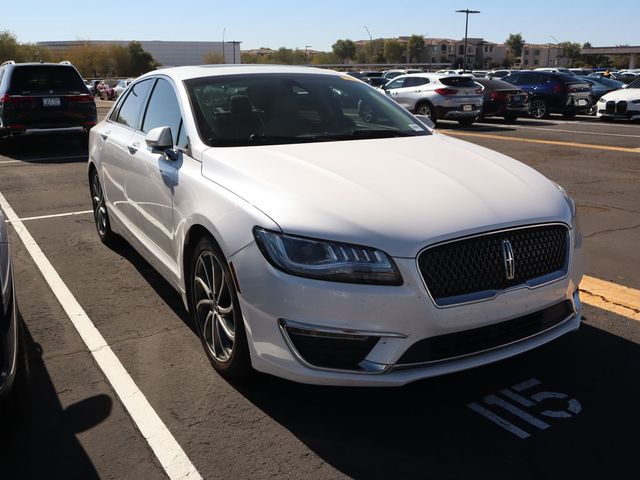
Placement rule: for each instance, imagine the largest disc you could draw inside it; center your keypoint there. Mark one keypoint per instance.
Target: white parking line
(173, 459)
(4, 162)
(54, 215)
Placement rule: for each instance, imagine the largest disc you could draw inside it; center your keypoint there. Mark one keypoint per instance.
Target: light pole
(224, 30)
(549, 52)
(466, 29)
(370, 45)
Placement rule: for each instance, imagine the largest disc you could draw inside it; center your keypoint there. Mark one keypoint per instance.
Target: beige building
(542, 55)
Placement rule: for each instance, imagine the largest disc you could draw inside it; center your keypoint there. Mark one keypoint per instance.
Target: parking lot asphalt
(566, 410)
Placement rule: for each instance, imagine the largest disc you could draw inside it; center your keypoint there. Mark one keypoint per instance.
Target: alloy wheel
(214, 307)
(538, 108)
(425, 110)
(99, 208)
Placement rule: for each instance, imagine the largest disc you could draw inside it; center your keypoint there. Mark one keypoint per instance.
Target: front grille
(621, 107)
(474, 268)
(611, 107)
(459, 344)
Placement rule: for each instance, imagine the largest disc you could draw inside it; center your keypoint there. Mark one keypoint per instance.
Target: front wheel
(539, 108)
(216, 311)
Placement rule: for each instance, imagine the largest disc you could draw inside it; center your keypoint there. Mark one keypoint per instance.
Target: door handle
(105, 135)
(133, 148)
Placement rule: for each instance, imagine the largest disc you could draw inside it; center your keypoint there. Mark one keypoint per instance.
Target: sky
(296, 24)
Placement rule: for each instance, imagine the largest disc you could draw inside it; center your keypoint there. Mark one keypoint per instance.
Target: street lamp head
(467, 11)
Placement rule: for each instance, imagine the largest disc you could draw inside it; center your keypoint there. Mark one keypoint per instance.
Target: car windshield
(30, 79)
(635, 83)
(460, 82)
(259, 109)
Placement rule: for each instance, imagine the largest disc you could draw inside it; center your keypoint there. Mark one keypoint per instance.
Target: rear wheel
(539, 108)
(100, 214)
(427, 110)
(216, 311)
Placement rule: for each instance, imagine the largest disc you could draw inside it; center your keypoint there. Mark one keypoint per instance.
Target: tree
(515, 44)
(571, 51)
(393, 51)
(9, 46)
(216, 58)
(141, 60)
(416, 48)
(344, 50)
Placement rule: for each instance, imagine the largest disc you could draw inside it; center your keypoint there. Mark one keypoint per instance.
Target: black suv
(551, 92)
(43, 96)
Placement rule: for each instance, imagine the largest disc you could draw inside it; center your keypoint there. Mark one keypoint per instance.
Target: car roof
(186, 73)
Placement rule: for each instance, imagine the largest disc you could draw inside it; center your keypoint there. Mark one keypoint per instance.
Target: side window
(130, 111)
(415, 81)
(396, 83)
(163, 110)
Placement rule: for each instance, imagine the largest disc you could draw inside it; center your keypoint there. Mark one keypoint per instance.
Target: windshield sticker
(417, 128)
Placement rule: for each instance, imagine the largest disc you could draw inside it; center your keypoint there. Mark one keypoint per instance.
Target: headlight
(602, 100)
(575, 221)
(323, 260)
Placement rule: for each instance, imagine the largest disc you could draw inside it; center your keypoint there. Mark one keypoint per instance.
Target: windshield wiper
(363, 133)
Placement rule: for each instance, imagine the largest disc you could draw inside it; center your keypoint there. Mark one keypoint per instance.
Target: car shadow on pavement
(427, 430)
(162, 288)
(39, 440)
(47, 148)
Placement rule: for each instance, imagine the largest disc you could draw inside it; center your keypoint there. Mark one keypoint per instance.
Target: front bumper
(396, 317)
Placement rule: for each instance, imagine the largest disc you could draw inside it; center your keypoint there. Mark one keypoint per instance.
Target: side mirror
(426, 121)
(159, 138)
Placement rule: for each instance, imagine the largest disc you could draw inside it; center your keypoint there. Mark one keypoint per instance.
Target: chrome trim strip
(487, 295)
(368, 368)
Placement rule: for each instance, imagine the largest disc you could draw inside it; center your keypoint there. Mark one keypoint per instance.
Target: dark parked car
(13, 362)
(600, 86)
(551, 92)
(43, 96)
(501, 99)
(376, 81)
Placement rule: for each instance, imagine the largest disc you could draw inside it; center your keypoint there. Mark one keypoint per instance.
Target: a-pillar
(632, 61)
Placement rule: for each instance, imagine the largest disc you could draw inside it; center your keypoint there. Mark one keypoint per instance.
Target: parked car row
(450, 94)
(107, 89)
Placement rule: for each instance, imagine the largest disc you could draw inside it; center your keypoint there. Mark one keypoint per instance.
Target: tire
(539, 108)
(467, 122)
(100, 213)
(17, 400)
(426, 109)
(216, 311)
(510, 117)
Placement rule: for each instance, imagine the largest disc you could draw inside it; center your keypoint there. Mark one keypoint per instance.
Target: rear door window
(46, 79)
(415, 81)
(131, 109)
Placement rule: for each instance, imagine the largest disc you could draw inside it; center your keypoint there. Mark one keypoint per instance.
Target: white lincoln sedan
(314, 244)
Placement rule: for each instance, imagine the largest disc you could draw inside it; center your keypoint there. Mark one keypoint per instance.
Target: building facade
(542, 55)
(168, 54)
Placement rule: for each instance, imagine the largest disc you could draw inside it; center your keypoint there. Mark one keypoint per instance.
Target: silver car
(438, 96)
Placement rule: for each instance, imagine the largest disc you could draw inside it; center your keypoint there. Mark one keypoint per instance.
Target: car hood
(623, 94)
(397, 194)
